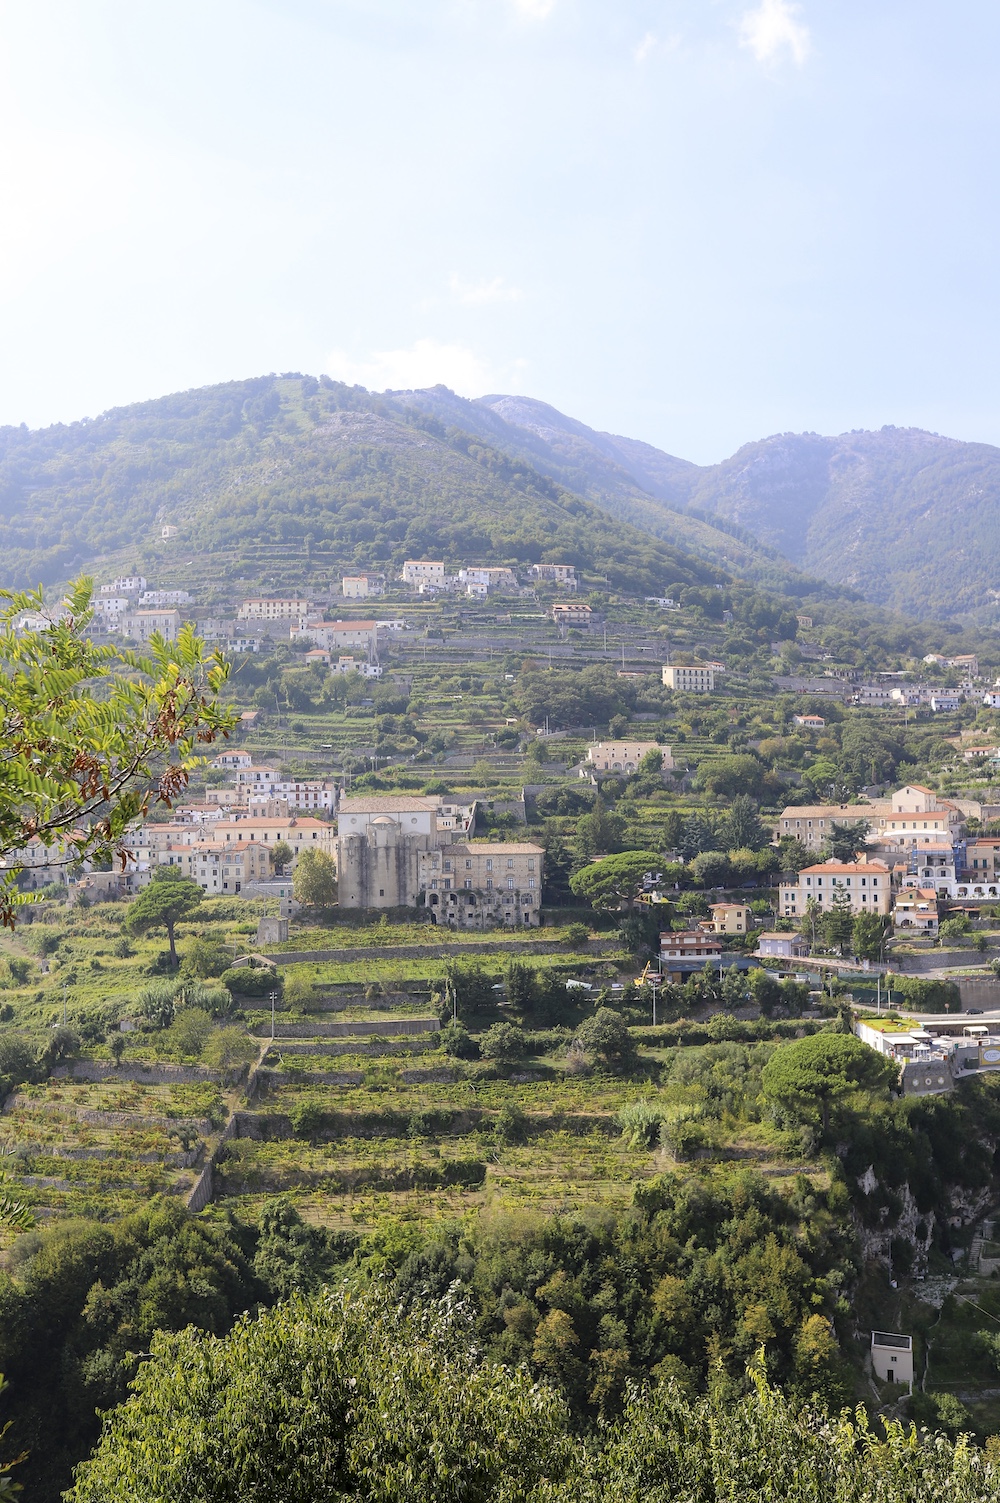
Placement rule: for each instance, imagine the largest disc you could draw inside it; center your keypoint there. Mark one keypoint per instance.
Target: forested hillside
(246, 468)
(905, 518)
(909, 519)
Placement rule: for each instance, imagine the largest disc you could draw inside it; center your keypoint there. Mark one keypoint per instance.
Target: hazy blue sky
(691, 221)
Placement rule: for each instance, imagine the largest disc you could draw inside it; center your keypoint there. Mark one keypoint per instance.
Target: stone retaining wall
(147, 1074)
(524, 949)
(386, 1027)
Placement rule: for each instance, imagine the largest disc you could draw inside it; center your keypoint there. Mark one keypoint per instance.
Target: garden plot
(99, 1149)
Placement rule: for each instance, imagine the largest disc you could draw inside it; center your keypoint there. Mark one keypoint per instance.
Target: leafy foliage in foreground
(339, 1397)
(91, 737)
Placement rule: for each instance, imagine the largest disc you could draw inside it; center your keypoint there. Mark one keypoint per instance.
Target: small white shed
(892, 1358)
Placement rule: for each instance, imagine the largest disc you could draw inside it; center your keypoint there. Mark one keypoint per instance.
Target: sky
(695, 222)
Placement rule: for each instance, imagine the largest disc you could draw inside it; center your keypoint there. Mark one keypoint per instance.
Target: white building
(892, 1358)
(417, 571)
(113, 608)
(228, 761)
(866, 883)
(356, 665)
(338, 636)
(689, 680)
(125, 584)
(164, 597)
(945, 699)
(490, 579)
(558, 574)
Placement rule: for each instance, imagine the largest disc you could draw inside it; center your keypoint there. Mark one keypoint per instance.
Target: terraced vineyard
(359, 1127)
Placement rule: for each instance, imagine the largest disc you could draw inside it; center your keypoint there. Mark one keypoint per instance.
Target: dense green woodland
(712, 1271)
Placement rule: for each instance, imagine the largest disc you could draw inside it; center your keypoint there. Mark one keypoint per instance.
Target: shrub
(503, 1043)
(251, 981)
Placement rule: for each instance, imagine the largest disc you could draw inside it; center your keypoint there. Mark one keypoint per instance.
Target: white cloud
(492, 290)
(534, 10)
(425, 363)
(645, 47)
(772, 31)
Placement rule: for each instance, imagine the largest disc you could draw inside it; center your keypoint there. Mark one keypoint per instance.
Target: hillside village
(488, 894)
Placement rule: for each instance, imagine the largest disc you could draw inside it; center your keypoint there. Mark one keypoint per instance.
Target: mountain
(258, 476)
(907, 518)
(632, 480)
(904, 518)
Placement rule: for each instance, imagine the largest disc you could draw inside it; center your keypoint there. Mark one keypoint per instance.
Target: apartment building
(351, 664)
(361, 586)
(699, 679)
(488, 882)
(141, 625)
(151, 598)
(229, 761)
(916, 911)
(125, 584)
(111, 609)
(217, 868)
(280, 609)
(338, 636)
(689, 944)
(565, 613)
(558, 574)
(239, 828)
(624, 756)
(417, 571)
(867, 883)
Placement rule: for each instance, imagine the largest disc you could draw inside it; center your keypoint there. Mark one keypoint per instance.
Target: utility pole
(274, 998)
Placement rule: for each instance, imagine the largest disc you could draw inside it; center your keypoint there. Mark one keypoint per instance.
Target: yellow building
(731, 918)
(698, 679)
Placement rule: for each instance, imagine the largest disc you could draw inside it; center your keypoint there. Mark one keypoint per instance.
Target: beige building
(140, 625)
(699, 679)
(812, 823)
(731, 918)
(217, 868)
(624, 756)
(417, 571)
(301, 833)
(571, 614)
(361, 586)
(272, 610)
(336, 636)
(483, 883)
(867, 883)
(383, 844)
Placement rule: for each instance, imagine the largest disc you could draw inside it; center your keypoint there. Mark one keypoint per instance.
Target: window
(468, 881)
(447, 866)
(510, 883)
(531, 881)
(381, 892)
(468, 866)
(489, 863)
(510, 863)
(531, 863)
(489, 884)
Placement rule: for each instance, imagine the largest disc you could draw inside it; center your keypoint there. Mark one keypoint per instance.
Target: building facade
(624, 756)
(867, 884)
(689, 680)
(284, 609)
